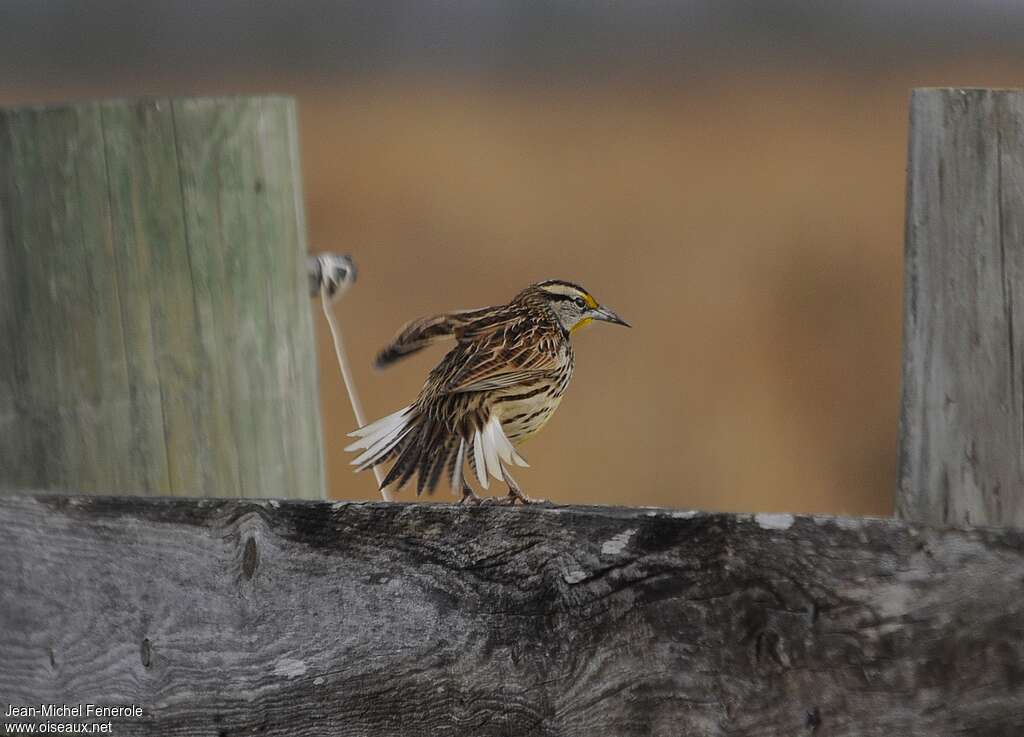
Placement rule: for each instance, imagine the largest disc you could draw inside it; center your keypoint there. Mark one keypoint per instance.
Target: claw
(517, 495)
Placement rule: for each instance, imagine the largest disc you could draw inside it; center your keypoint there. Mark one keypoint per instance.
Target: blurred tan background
(728, 176)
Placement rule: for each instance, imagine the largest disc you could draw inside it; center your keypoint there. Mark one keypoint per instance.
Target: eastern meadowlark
(498, 386)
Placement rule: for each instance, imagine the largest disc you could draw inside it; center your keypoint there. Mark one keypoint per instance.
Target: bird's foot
(517, 495)
(493, 501)
(470, 499)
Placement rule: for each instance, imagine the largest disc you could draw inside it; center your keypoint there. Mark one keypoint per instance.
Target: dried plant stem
(346, 375)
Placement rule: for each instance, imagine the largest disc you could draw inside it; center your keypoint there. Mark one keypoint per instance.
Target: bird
(498, 386)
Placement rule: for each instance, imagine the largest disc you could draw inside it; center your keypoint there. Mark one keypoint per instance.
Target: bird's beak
(606, 315)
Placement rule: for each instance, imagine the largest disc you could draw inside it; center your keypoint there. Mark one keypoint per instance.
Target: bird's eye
(579, 302)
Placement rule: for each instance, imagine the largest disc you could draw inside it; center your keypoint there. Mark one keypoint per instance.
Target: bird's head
(573, 305)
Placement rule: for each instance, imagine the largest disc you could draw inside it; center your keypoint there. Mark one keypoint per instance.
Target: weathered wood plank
(235, 617)
(962, 434)
(153, 301)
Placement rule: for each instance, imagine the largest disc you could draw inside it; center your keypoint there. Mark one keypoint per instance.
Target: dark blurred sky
(80, 41)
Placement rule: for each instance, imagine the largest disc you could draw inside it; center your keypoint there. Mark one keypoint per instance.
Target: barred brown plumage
(499, 385)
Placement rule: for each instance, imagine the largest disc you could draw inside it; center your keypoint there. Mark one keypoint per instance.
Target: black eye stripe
(554, 297)
(560, 297)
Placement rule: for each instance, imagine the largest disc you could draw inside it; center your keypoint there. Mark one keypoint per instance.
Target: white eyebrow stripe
(562, 290)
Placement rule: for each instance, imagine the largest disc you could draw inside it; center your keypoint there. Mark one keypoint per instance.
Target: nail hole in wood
(250, 559)
(812, 720)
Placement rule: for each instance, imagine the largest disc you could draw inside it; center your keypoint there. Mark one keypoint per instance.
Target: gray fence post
(962, 427)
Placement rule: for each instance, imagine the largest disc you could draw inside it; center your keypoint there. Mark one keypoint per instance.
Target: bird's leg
(469, 496)
(515, 494)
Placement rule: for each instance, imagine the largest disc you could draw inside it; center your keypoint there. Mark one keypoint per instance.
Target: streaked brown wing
(513, 351)
(418, 334)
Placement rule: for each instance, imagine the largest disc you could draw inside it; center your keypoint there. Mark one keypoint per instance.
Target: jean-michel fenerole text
(88, 711)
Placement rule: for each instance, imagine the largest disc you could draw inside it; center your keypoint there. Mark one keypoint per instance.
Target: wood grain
(244, 617)
(962, 427)
(158, 339)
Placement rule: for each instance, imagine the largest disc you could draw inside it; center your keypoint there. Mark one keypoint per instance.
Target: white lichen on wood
(617, 544)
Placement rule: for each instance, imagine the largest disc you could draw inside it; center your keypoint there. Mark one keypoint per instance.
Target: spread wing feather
(418, 334)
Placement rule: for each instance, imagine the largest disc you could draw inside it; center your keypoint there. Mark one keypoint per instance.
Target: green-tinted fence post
(155, 330)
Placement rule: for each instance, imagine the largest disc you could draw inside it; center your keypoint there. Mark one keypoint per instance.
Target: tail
(424, 446)
(382, 439)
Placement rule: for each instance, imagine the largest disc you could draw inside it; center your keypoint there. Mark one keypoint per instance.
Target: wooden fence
(241, 617)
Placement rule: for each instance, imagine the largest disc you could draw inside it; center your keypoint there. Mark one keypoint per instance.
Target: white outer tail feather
(478, 460)
(503, 446)
(490, 446)
(379, 437)
(460, 458)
